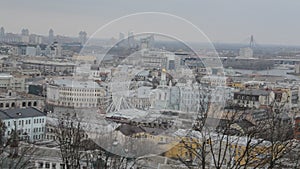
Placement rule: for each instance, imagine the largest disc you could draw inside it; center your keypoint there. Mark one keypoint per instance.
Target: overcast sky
(233, 21)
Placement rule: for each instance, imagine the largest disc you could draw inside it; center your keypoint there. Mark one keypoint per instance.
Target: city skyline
(149, 84)
(231, 21)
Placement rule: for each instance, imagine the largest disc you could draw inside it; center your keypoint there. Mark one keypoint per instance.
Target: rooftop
(76, 83)
(20, 113)
(44, 62)
(5, 75)
(255, 92)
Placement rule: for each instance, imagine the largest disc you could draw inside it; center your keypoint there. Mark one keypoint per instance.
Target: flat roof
(21, 113)
(43, 62)
(76, 83)
(255, 92)
(5, 75)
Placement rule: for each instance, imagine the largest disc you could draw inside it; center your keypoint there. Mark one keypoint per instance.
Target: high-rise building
(51, 36)
(82, 37)
(2, 32)
(36, 39)
(25, 36)
(131, 40)
(25, 32)
(121, 36)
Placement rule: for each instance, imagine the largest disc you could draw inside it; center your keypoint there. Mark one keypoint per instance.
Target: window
(53, 166)
(41, 164)
(47, 165)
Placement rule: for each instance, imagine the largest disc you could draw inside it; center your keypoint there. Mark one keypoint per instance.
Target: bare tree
(277, 130)
(78, 150)
(15, 154)
(221, 146)
(70, 135)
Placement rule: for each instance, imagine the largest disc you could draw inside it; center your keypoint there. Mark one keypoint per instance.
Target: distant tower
(131, 40)
(2, 32)
(25, 35)
(82, 37)
(151, 40)
(121, 36)
(51, 36)
(38, 50)
(252, 42)
(25, 32)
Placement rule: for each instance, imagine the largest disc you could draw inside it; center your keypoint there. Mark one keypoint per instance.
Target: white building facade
(29, 123)
(75, 93)
(8, 81)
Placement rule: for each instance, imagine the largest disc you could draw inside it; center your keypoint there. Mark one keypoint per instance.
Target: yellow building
(237, 85)
(238, 149)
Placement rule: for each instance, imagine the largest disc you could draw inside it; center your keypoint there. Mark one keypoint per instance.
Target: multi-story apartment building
(253, 98)
(75, 93)
(11, 99)
(50, 66)
(28, 122)
(8, 81)
(263, 97)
